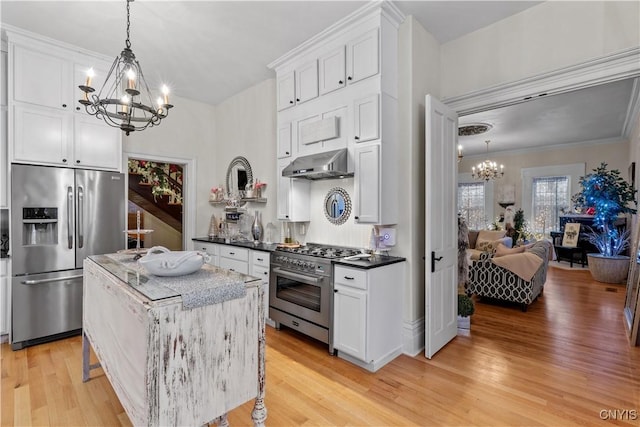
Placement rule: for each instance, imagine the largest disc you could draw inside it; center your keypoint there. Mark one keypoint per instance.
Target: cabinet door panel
(284, 140)
(234, 264)
(350, 321)
(363, 57)
(284, 187)
(307, 82)
(41, 135)
(41, 79)
(367, 119)
(286, 91)
(332, 70)
(96, 145)
(367, 184)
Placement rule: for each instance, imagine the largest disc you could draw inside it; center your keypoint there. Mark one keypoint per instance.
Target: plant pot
(464, 322)
(611, 269)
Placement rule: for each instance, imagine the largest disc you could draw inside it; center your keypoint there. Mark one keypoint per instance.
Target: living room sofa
(515, 277)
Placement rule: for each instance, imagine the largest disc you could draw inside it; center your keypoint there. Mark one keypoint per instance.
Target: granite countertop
(265, 247)
(372, 262)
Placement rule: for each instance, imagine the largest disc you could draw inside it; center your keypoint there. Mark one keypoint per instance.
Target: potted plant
(606, 194)
(465, 309)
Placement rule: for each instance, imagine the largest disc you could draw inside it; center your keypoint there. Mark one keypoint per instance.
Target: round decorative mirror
(337, 206)
(239, 174)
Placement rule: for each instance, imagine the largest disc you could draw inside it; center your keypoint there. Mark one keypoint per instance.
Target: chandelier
(487, 170)
(124, 100)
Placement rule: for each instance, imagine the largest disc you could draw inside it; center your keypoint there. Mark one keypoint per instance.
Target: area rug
(564, 265)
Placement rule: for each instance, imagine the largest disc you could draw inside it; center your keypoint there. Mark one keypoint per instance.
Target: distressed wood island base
(169, 365)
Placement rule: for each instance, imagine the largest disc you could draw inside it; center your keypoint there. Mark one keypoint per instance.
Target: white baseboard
(413, 337)
(372, 366)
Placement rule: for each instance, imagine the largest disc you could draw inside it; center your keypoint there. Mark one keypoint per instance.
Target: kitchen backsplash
(320, 230)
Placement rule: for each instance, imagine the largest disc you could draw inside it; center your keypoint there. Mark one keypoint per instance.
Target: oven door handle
(296, 276)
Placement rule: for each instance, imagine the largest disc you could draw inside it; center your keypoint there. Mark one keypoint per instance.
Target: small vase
(256, 228)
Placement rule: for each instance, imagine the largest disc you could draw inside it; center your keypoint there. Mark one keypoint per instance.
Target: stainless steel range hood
(331, 164)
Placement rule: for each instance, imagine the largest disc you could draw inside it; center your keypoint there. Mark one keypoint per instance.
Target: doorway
(160, 198)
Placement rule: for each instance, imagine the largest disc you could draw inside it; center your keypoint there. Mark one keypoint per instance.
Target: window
(550, 196)
(571, 172)
(471, 204)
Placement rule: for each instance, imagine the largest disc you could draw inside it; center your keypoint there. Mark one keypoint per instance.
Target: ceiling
(211, 50)
(224, 46)
(595, 115)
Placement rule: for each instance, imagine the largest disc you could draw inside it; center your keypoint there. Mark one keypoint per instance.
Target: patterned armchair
(487, 279)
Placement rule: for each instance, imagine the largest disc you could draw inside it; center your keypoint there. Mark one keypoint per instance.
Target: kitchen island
(168, 363)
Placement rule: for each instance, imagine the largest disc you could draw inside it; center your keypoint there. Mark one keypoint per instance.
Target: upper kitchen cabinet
(47, 125)
(4, 170)
(293, 197)
(284, 140)
(298, 86)
(363, 56)
(332, 70)
(354, 107)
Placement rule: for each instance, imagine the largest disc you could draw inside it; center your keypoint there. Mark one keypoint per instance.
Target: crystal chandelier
(124, 100)
(487, 170)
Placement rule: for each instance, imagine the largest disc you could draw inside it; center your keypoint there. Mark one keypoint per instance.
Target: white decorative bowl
(160, 261)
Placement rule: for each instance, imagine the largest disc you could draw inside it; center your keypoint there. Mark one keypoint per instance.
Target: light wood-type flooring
(564, 362)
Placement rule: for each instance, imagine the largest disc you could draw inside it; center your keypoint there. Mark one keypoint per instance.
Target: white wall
(246, 126)
(546, 37)
(419, 75)
(186, 134)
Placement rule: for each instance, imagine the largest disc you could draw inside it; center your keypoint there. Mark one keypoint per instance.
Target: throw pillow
(488, 240)
(486, 246)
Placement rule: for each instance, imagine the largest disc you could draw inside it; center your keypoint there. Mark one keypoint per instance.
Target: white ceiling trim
(609, 68)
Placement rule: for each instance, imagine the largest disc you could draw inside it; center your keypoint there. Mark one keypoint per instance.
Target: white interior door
(441, 226)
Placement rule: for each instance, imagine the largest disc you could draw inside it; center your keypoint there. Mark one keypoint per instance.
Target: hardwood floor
(561, 363)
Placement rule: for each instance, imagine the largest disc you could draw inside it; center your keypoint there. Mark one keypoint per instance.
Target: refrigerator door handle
(55, 279)
(70, 217)
(80, 216)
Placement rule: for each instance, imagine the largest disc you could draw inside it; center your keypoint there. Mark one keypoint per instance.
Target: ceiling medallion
(473, 129)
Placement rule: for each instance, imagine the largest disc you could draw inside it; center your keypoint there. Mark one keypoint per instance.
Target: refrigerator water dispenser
(39, 226)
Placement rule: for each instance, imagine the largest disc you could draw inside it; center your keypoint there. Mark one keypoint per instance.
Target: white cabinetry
(47, 124)
(367, 326)
(260, 268)
(284, 140)
(363, 56)
(367, 184)
(298, 86)
(234, 258)
(211, 249)
(293, 197)
(366, 120)
(331, 73)
(357, 82)
(4, 169)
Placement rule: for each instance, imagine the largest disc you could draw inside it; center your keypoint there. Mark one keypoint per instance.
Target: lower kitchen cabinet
(234, 259)
(260, 268)
(212, 249)
(367, 328)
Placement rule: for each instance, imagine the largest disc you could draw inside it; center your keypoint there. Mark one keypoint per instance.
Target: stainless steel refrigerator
(59, 216)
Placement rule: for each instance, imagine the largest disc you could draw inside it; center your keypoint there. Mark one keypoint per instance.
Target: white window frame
(573, 171)
(466, 178)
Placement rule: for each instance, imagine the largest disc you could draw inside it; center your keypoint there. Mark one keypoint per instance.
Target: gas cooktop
(322, 251)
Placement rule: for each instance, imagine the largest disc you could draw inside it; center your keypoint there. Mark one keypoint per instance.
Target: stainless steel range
(301, 289)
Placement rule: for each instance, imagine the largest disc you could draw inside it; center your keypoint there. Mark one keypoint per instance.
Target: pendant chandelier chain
(128, 42)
